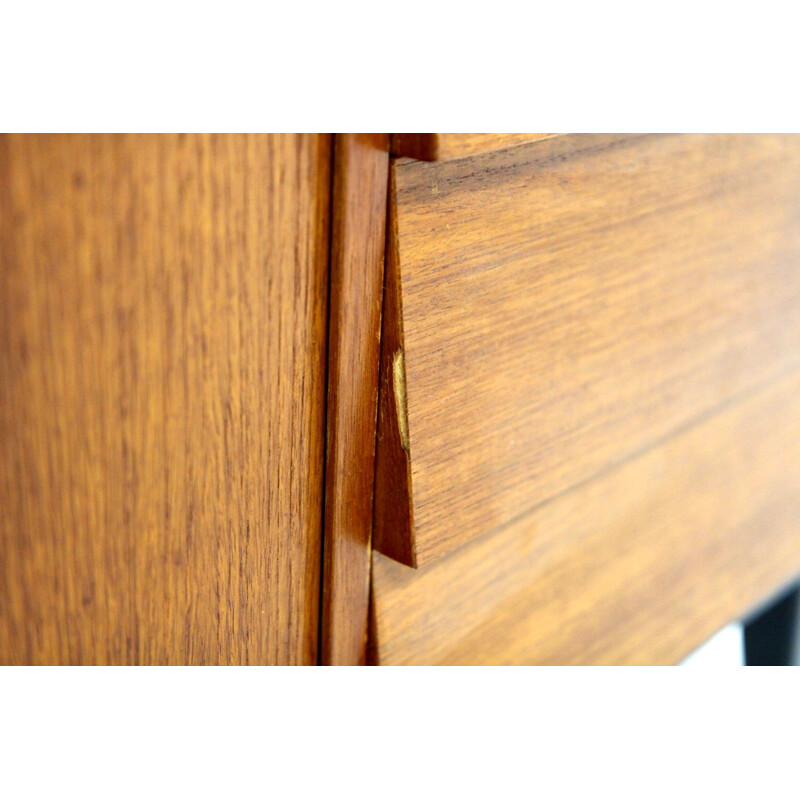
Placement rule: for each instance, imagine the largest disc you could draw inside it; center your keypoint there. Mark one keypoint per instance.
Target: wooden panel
(443, 146)
(163, 318)
(565, 304)
(638, 566)
(361, 172)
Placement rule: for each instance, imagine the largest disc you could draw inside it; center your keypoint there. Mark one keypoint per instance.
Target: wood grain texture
(566, 304)
(444, 146)
(163, 312)
(638, 566)
(361, 171)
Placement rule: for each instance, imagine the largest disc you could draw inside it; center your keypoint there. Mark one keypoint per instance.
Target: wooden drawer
(638, 566)
(556, 309)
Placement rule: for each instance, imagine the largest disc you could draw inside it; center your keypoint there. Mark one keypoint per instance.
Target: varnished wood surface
(163, 318)
(566, 304)
(444, 146)
(638, 566)
(361, 170)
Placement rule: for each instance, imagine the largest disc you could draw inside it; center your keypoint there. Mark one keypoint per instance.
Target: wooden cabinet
(565, 414)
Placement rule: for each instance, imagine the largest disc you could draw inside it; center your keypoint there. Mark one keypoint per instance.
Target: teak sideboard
(395, 398)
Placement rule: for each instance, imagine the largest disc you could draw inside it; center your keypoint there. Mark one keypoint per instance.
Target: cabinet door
(162, 336)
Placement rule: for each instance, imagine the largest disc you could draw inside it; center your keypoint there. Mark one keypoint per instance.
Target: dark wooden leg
(772, 637)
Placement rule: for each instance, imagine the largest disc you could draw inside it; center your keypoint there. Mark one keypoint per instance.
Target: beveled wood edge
(393, 525)
(359, 198)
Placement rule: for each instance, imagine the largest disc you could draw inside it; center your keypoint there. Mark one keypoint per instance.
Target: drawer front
(638, 566)
(554, 309)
